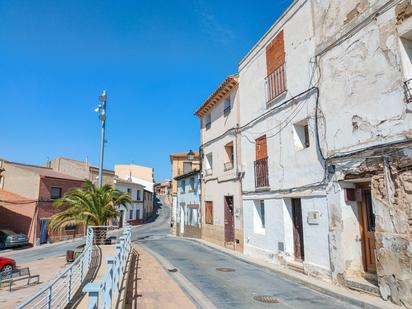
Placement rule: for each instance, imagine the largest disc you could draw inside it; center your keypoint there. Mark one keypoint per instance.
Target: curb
(295, 278)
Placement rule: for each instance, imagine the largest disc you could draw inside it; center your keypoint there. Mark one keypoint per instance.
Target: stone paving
(48, 269)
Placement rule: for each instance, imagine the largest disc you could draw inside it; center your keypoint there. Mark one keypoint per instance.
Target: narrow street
(198, 264)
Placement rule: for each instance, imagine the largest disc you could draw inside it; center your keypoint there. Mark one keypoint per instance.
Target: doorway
(299, 248)
(229, 220)
(43, 230)
(121, 219)
(367, 226)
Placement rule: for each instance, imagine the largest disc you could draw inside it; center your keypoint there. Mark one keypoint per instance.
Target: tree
(89, 205)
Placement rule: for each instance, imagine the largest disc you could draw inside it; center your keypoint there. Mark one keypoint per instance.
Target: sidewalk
(48, 269)
(356, 298)
(150, 286)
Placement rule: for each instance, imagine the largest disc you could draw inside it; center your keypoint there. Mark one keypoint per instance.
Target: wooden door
(261, 148)
(298, 229)
(229, 220)
(368, 231)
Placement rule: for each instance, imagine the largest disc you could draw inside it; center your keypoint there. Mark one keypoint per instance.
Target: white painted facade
(351, 60)
(135, 210)
(291, 167)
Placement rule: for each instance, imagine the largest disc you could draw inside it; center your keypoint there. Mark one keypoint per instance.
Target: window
(208, 121)
(209, 164)
(229, 157)
(259, 217)
(138, 195)
(209, 212)
(137, 214)
(227, 106)
(192, 183)
(131, 214)
(129, 191)
(275, 66)
(56, 192)
(301, 133)
(406, 61)
(187, 167)
(183, 185)
(70, 227)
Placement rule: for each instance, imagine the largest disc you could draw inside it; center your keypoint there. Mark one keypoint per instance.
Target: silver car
(9, 239)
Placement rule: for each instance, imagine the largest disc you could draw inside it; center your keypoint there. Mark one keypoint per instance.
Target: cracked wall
(392, 201)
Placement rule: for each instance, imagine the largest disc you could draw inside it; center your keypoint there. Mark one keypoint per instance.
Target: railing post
(49, 298)
(92, 289)
(69, 294)
(109, 284)
(118, 265)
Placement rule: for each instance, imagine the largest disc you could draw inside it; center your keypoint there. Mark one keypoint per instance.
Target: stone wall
(392, 200)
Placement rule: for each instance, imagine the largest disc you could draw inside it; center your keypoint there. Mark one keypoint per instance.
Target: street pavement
(198, 264)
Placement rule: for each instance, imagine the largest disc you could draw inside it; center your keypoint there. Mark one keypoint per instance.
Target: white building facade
(188, 212)
(220, 156)
(326, 135)
(133, 213)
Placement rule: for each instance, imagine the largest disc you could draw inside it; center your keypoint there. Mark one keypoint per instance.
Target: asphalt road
(198, 264)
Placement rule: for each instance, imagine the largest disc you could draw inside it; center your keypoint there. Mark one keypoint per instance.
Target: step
(366, 285)
(296, 266)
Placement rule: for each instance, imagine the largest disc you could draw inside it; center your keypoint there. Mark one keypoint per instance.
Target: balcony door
(261, 163)
(367, 224)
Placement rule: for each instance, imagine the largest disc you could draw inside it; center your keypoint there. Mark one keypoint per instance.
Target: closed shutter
(261, 148)
(209, 212)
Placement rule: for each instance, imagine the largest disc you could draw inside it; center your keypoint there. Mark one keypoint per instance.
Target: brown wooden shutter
(261, 148)
(209, 212)
(275, 53)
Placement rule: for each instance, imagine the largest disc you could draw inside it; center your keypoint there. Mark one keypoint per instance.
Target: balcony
(228, 166)
(261, 173)
(275, 84)
(407, 86)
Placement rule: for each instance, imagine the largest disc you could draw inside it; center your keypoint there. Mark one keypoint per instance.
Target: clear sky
(158, 61)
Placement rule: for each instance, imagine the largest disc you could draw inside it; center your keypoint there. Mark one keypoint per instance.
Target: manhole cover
(225, 269)
(266, 299)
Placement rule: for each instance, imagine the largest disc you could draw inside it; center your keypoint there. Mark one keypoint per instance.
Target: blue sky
(158, 61)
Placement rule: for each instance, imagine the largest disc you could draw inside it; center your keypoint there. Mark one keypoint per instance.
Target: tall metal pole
(102, 117)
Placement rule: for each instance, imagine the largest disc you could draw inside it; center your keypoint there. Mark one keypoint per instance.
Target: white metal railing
(59, 293)
(102, 294)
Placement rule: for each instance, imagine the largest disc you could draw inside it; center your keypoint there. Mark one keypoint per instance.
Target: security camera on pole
(101, 109)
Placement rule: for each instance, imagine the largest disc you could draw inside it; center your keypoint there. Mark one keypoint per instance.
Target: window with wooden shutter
(208, 212)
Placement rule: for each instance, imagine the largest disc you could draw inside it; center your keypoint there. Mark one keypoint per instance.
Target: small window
(259, 217)
(56, 192)
(208, 121)
(227, 106)
(192, 183)
(183, 185)
(301, 133)
(131, 214)
(209, 212)
(187, 167)
(209, 164)
(137, 214)
(129, 191)
(138, 195)
(229, 157)
(70, 227)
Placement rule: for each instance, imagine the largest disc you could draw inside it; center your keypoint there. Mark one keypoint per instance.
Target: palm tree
(89, 205)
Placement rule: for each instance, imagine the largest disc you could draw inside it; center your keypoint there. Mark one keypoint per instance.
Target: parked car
(7, 264)
(9, 239)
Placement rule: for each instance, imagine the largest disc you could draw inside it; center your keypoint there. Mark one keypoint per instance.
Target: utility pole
(101, 109)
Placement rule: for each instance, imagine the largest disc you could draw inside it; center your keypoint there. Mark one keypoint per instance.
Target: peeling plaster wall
(366, 106)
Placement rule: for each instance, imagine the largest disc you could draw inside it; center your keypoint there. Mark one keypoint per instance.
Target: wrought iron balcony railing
(275, 83)
(407, 86)
(261, 173)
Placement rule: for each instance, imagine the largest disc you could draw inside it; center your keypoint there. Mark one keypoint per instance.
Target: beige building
(80, 169)
(127, 170)
(183, 163)
(221, 198)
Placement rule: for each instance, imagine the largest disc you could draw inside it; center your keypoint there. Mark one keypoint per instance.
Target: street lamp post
(101, 109)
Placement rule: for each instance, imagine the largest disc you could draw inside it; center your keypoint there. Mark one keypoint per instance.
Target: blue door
(43, 230)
